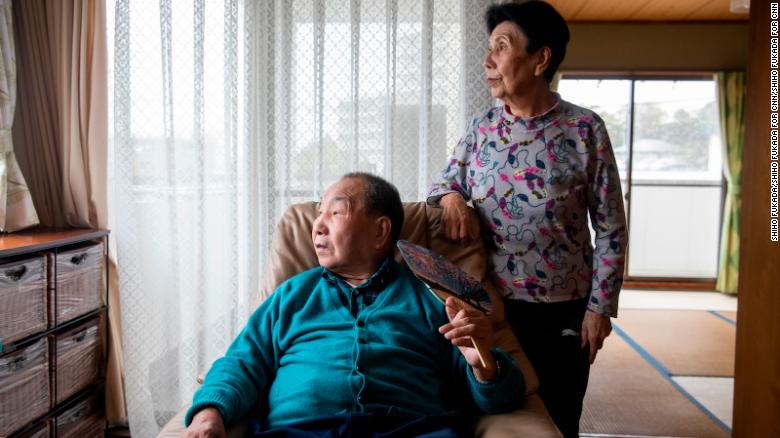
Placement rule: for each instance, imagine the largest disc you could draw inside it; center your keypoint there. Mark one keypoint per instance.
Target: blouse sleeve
(605, 204)
(454, 177)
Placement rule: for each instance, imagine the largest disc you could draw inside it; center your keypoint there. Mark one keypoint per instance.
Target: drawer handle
(16, 274)
(16, 364)
(80, 337)
(78, 259)
(81, 413)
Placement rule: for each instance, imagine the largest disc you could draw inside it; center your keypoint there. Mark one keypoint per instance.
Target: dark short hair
(381, 198)
(541, 24)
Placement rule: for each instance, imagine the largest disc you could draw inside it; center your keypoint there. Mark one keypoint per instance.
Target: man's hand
(458, 221)
(595, 328)
(207, 423)
(467, 323)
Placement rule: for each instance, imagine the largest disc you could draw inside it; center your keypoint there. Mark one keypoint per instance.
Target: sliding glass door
(666, 138)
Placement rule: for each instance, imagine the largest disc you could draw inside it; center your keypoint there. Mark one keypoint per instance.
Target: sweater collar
(381, 276)
(536, 122)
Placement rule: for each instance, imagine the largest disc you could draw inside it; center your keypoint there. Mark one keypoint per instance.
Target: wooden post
(757, 368)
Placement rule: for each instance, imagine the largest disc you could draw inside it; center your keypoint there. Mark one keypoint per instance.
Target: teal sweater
(320, 347)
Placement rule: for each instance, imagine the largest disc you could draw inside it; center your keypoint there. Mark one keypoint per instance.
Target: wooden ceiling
(646, 10)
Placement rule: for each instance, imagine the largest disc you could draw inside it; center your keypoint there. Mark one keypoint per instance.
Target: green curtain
(731, 105)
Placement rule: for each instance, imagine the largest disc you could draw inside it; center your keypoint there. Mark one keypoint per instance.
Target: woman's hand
(458, 220)
(595, 328)
(207, 423)
(467, 324)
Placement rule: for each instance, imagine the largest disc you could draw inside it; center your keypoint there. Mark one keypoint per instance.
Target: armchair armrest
(175, 427)
(531, 420)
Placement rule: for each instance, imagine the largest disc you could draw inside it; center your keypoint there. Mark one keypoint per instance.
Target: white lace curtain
(224, 113)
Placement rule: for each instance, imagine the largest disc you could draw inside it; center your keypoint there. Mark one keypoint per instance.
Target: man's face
(343, 234)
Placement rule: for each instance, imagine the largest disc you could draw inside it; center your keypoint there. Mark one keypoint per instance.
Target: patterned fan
(441, 275)
(443, 280)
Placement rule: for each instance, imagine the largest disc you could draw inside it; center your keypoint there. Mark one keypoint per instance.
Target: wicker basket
(22, 299)
(80, 285)
(24, 386)
(84, 420)
(79, 357)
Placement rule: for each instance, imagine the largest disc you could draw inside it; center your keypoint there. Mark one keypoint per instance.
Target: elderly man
(356, 346)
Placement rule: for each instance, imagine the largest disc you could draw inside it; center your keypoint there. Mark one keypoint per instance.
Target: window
(666, 138)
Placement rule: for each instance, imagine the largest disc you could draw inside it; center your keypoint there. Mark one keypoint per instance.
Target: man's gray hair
(381, 198)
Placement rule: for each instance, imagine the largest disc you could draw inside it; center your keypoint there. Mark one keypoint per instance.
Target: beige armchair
(292, 252)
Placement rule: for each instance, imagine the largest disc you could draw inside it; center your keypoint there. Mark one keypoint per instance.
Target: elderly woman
(535, 168)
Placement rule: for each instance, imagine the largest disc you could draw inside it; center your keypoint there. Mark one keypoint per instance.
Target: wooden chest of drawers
(53, 320)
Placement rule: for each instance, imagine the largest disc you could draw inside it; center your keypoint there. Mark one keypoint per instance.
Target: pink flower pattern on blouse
(535, 181)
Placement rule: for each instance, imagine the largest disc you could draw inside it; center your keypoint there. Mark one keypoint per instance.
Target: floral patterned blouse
(534, 182)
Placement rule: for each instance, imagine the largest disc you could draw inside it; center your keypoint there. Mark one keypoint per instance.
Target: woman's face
(509, 69)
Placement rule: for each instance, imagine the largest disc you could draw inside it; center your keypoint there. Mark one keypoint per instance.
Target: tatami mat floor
(711, 395)
(715, 393)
